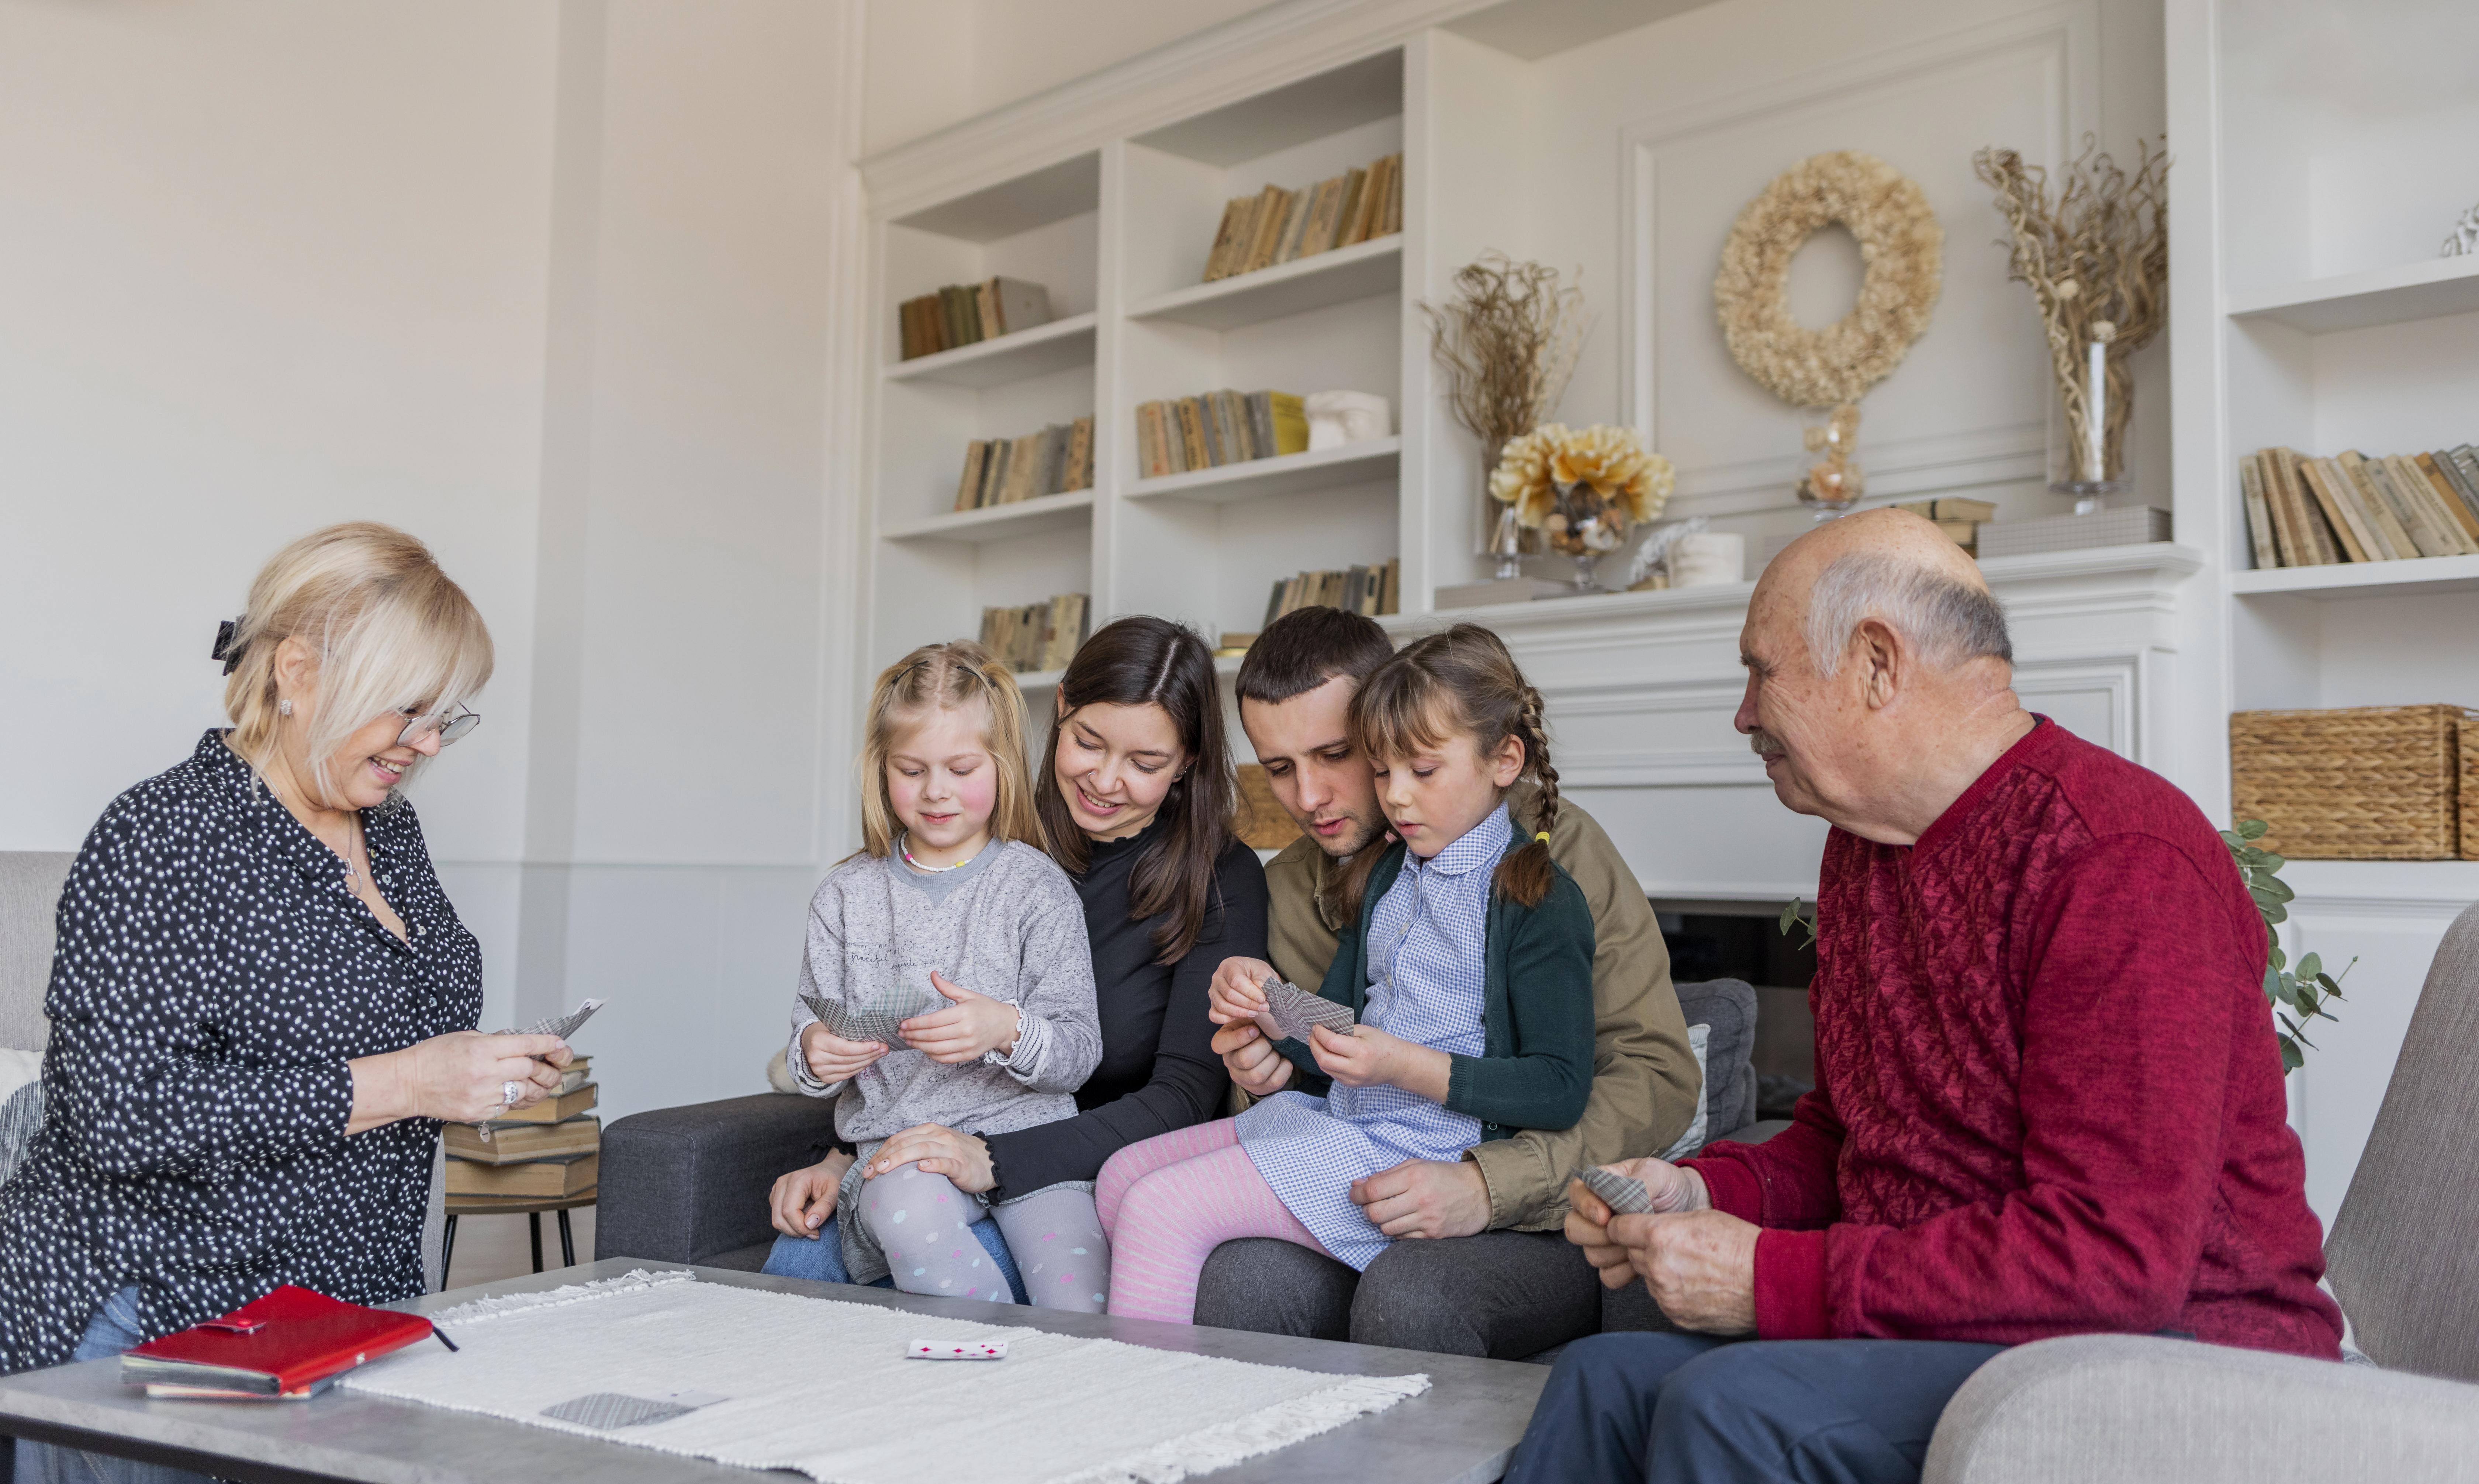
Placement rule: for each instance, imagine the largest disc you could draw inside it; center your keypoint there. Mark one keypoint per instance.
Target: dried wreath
(1899, 242)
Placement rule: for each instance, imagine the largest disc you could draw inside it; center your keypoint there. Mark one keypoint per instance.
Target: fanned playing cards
(561, 1026)
(876, 1019)
(1623, 1195)
(1290, 1011)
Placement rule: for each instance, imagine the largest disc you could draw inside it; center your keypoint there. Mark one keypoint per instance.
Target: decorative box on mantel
(2129, 525)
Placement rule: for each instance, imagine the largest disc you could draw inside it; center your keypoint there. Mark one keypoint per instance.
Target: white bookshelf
(1369, 461)
(1119, 236)
(2310, 309)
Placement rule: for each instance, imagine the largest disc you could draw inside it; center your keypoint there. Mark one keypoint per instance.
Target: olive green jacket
(1644, 1081)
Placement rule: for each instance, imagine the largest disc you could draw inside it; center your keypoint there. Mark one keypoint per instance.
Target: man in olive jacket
(1488, 1270)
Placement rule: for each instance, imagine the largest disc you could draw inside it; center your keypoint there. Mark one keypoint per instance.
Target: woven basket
(2470, 788)
(2376, 783)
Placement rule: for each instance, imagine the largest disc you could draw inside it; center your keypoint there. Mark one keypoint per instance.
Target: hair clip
(226, 649)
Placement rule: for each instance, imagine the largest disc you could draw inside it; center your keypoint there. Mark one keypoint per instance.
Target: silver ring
(510, 1091)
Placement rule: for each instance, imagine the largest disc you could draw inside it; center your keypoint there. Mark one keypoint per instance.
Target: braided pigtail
(1525, 873)
(1463, 682)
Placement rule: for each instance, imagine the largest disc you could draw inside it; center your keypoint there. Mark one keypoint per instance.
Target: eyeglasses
(449, 725)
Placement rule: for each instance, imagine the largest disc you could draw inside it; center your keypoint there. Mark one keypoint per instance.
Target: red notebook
(285, 1342)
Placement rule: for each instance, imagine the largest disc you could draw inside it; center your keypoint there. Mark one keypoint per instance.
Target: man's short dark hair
(1305, 649)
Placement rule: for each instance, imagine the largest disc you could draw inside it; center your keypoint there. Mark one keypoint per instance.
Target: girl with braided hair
(1469, 968)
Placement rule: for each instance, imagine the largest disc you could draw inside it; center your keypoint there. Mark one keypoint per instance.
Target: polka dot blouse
(214, 975)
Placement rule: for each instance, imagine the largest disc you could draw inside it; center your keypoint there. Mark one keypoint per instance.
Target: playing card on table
(956, 1349)
(1290, 1011)
(560, 1026)
(1623, 1195)
(877, 1019)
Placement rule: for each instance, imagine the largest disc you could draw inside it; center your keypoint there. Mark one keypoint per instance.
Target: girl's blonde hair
(947, 677)
(1465, 683)
(386, 629)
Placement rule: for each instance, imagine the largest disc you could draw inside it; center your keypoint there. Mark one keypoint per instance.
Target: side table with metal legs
(531, 1207)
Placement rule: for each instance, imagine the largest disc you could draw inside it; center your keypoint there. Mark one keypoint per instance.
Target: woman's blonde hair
(385, 627)
(947, 677)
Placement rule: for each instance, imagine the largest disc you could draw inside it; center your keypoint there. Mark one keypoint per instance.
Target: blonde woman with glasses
(261, 1004)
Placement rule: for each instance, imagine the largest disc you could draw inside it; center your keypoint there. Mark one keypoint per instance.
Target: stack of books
(1370, 591)
(966, 314)
(1039, 635)
(1217, 428)
(544, 1152)
(1003, 470)
(1278, 226)
(1960, 519)
(2303, 512)
(1233, 644)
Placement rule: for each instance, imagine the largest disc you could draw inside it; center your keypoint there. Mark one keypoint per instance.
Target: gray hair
(1946, 620)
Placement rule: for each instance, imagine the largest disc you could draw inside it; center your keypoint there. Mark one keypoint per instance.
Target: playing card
(562, 1026)
(878, 1018)
(1623, 1195)
(956, 1349)
(1290, 1011)
(608, 1411)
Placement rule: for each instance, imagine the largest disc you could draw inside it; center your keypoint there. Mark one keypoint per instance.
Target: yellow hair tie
(1543, 837)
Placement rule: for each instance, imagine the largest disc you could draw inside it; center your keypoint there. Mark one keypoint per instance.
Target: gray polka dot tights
(924, 1224)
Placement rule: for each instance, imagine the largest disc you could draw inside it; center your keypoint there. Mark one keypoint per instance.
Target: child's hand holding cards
(1290, 1011)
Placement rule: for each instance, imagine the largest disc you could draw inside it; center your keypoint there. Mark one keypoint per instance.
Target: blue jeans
(820, 1259)
(112, 1330)
(1690, 1409)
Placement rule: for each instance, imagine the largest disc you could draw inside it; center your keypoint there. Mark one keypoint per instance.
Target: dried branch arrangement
(1508, 339)
(2097, 261)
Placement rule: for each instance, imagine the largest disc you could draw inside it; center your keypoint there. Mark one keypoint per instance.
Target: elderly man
(2048, 1097)
(1490, 1275)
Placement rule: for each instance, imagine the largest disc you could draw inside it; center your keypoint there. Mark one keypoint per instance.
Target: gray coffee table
(1460, 1432)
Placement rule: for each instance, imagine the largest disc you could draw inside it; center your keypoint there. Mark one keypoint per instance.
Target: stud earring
(284, 708)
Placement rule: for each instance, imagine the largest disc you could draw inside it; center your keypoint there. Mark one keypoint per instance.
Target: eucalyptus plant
(2297, 992)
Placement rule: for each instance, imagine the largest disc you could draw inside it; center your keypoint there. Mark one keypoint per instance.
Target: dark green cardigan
(1536, 1067)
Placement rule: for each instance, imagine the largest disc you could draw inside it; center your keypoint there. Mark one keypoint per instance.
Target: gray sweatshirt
(1015, 932)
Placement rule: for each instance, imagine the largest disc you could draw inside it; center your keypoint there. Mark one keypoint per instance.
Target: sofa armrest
(2138, 1410)
(681, 1185)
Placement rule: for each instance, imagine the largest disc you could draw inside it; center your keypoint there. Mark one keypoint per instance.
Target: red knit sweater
(2048, 1096)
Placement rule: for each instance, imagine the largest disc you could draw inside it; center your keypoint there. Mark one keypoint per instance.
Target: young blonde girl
(1470, 968)
(951, 893)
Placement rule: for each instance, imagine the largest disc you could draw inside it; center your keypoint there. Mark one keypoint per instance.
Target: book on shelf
(557, 1107)
(1369, 591)
(515, 1143)
(1216, 428)
(1005, 470)
(1277, 226)
(1949, 508)
(1041, 635)
(2306, 511)
(969, 314)
(1233, 643)
(544, 1179)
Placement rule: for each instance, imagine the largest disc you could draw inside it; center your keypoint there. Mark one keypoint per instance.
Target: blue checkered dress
(1430, 985)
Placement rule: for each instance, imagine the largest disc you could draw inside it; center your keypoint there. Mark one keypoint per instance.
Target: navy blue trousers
(1690, 1409)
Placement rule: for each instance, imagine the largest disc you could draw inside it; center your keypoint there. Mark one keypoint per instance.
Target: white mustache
(1764, 746)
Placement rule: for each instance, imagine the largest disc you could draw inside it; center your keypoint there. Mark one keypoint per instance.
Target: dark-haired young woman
(1136, 795)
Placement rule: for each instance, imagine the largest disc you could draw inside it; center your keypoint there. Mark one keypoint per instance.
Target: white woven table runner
(822, 1387)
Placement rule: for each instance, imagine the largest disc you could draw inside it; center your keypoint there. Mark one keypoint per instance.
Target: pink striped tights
(1168, 1202)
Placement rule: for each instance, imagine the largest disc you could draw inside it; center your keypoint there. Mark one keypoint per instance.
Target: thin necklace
(905, 849)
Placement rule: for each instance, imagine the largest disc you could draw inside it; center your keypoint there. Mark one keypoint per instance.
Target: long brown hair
(1463, 684)
(954, 676)
(1143, 660)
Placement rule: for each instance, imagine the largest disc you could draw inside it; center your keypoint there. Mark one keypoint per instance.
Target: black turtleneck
(1158, 1073)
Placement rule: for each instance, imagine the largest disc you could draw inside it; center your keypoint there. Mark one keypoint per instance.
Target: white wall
(549, 285)
(935, 62)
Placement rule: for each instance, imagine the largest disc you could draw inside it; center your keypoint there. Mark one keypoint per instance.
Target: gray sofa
(2403, 1259)
(690, 1183)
